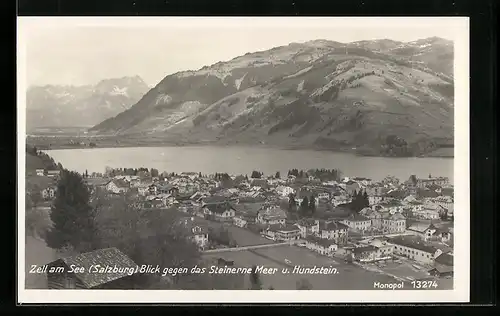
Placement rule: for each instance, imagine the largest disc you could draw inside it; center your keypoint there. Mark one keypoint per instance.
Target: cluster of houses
(258, 205)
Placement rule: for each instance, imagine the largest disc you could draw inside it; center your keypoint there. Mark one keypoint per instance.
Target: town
(403, 229)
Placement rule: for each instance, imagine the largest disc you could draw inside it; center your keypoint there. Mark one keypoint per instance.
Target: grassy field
(40, 182)
(242, 237)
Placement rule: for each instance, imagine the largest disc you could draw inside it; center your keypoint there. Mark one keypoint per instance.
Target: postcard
(243, 159)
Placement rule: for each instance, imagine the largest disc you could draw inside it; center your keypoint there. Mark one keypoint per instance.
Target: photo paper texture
(224, 160)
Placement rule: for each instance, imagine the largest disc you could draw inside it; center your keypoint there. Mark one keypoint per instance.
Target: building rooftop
(103, 257)
(120, 183)
(421, 227)
(411, 242)
(219, 208)
(282, 228)
(273, 212)
(320, 241)
(306, 222)
(332, 226)
(215, 199)
(361, 179)
(357, 218)
(362, 249)
(397, 217)
(444, 259)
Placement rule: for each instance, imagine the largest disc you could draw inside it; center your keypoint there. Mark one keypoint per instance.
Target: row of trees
(222, 176)
(112, 172)
(259, 175)
(322, 174)
(396, 146)
(256, 174)
(47, 162)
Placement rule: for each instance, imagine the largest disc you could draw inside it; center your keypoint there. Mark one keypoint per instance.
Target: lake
(243, 160)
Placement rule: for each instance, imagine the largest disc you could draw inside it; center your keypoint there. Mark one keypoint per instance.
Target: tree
(35, 195)
(271, 288)
(407, 213)
(413, 179)
(28, 204)
(303, 284)
(146, 236)
(312, 204)
(256, 174)
(304, 206)
(277, 175)
(154, 172)
(443, 213)
(366, 200)
(255, 282)
(292, 204)
(72, 216)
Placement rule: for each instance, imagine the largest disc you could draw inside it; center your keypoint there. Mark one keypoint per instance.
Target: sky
(78, 51)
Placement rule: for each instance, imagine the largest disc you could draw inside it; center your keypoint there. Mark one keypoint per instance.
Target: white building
(375, 199)
(395, 223)
(421, 230)
(332, 230)
(322, 246)
(414, 249)
(117, 186)
(284, 191)
(357, 222)
(308, 227)
(426, 213)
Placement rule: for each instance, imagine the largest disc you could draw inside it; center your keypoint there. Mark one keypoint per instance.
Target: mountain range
(86, 105)
(382, 97)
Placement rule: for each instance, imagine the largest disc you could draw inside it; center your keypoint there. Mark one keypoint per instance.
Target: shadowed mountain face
(373, 95)
(62, 106)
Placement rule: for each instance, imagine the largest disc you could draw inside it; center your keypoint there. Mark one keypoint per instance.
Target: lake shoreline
(265, 146)
(242, 159)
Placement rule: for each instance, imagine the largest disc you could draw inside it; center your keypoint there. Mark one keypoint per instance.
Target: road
(348, 277)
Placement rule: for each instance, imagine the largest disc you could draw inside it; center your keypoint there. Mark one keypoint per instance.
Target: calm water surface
(242, 160)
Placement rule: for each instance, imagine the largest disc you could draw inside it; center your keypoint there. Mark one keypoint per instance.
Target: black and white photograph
(254, 159)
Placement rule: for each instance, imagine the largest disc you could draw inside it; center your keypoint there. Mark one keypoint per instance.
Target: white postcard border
(460, 293)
